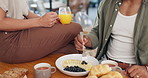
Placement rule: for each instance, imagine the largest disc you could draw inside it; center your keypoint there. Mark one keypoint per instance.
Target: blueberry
(74, 69)
(67, 66)
(69, 69)
(76, 66)
(84, 62)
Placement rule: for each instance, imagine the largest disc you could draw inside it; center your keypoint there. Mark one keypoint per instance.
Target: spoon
(84, 56)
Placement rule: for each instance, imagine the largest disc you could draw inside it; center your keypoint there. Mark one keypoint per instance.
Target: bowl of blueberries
(73, 65)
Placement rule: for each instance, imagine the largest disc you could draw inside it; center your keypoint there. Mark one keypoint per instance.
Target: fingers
(52, 23)
(80, 39)
(138, 76)
(49, 19)
(132, 71)
(132, 68)
(78, 44)
(85, 39)
(78, 47)
(136, 71)
(53, 15)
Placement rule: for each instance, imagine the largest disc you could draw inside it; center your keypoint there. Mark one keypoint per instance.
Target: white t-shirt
(16, 8)
(121, 46)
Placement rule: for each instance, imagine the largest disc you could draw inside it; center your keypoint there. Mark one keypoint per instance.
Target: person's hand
(79, 42)
(49, 19)
(137, 72)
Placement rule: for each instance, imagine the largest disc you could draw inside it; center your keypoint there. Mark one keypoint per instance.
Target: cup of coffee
(112, 64)
(43, 70)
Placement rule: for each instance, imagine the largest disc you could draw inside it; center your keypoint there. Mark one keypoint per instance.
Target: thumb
(52, 13)
(85, 40)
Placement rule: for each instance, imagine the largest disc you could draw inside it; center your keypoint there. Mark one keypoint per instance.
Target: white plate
(59, 63)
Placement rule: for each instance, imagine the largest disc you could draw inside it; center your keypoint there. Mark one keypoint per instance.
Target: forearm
(9, 24)
(93, 37)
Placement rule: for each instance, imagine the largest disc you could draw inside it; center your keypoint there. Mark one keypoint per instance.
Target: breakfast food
(92, 77)
(103, 71)
(14, 73)
(99, 70)
(84, 62)
(77, 64)
(112, 74)
(74, 69)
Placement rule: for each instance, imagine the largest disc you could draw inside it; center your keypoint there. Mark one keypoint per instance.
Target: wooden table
(49, 59)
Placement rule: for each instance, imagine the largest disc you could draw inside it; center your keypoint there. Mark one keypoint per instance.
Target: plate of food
(73, 65)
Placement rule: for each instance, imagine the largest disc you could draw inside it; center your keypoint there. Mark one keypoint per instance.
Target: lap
(39, 41)
(58, 32)
(37, 36)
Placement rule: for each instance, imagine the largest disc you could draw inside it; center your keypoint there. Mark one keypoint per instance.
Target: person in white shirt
(25, 37)
(121, 35)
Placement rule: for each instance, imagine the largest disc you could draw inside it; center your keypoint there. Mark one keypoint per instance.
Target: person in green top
(121, 34)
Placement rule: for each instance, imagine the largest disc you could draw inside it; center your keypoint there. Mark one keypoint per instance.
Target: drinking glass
(65, 15)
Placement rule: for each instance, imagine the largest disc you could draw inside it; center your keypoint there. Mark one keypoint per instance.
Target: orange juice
(65, 18)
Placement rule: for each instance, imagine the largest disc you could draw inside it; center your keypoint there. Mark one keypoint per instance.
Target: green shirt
(100, 34)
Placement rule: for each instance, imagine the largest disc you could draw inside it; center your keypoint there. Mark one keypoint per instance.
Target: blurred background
(84, 9)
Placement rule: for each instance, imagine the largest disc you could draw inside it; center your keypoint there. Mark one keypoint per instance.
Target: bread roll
(92, 77)
(99, 70)
(112, 74)
(14, 73)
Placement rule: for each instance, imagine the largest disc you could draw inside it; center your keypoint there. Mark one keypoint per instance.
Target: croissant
(92, 77)
(112, 74)
(99, 70)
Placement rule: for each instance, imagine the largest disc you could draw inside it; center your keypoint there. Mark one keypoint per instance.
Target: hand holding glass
(65, 15)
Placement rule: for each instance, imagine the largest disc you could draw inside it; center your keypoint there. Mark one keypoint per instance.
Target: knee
(76, 28)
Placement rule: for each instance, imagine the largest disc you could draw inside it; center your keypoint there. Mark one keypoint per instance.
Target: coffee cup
(43, 70)
(112, 64)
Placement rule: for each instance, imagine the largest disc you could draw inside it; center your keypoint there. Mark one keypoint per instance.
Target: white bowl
(59, 63)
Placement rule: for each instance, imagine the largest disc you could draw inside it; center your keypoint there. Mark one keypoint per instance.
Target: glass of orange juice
(65, 15)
